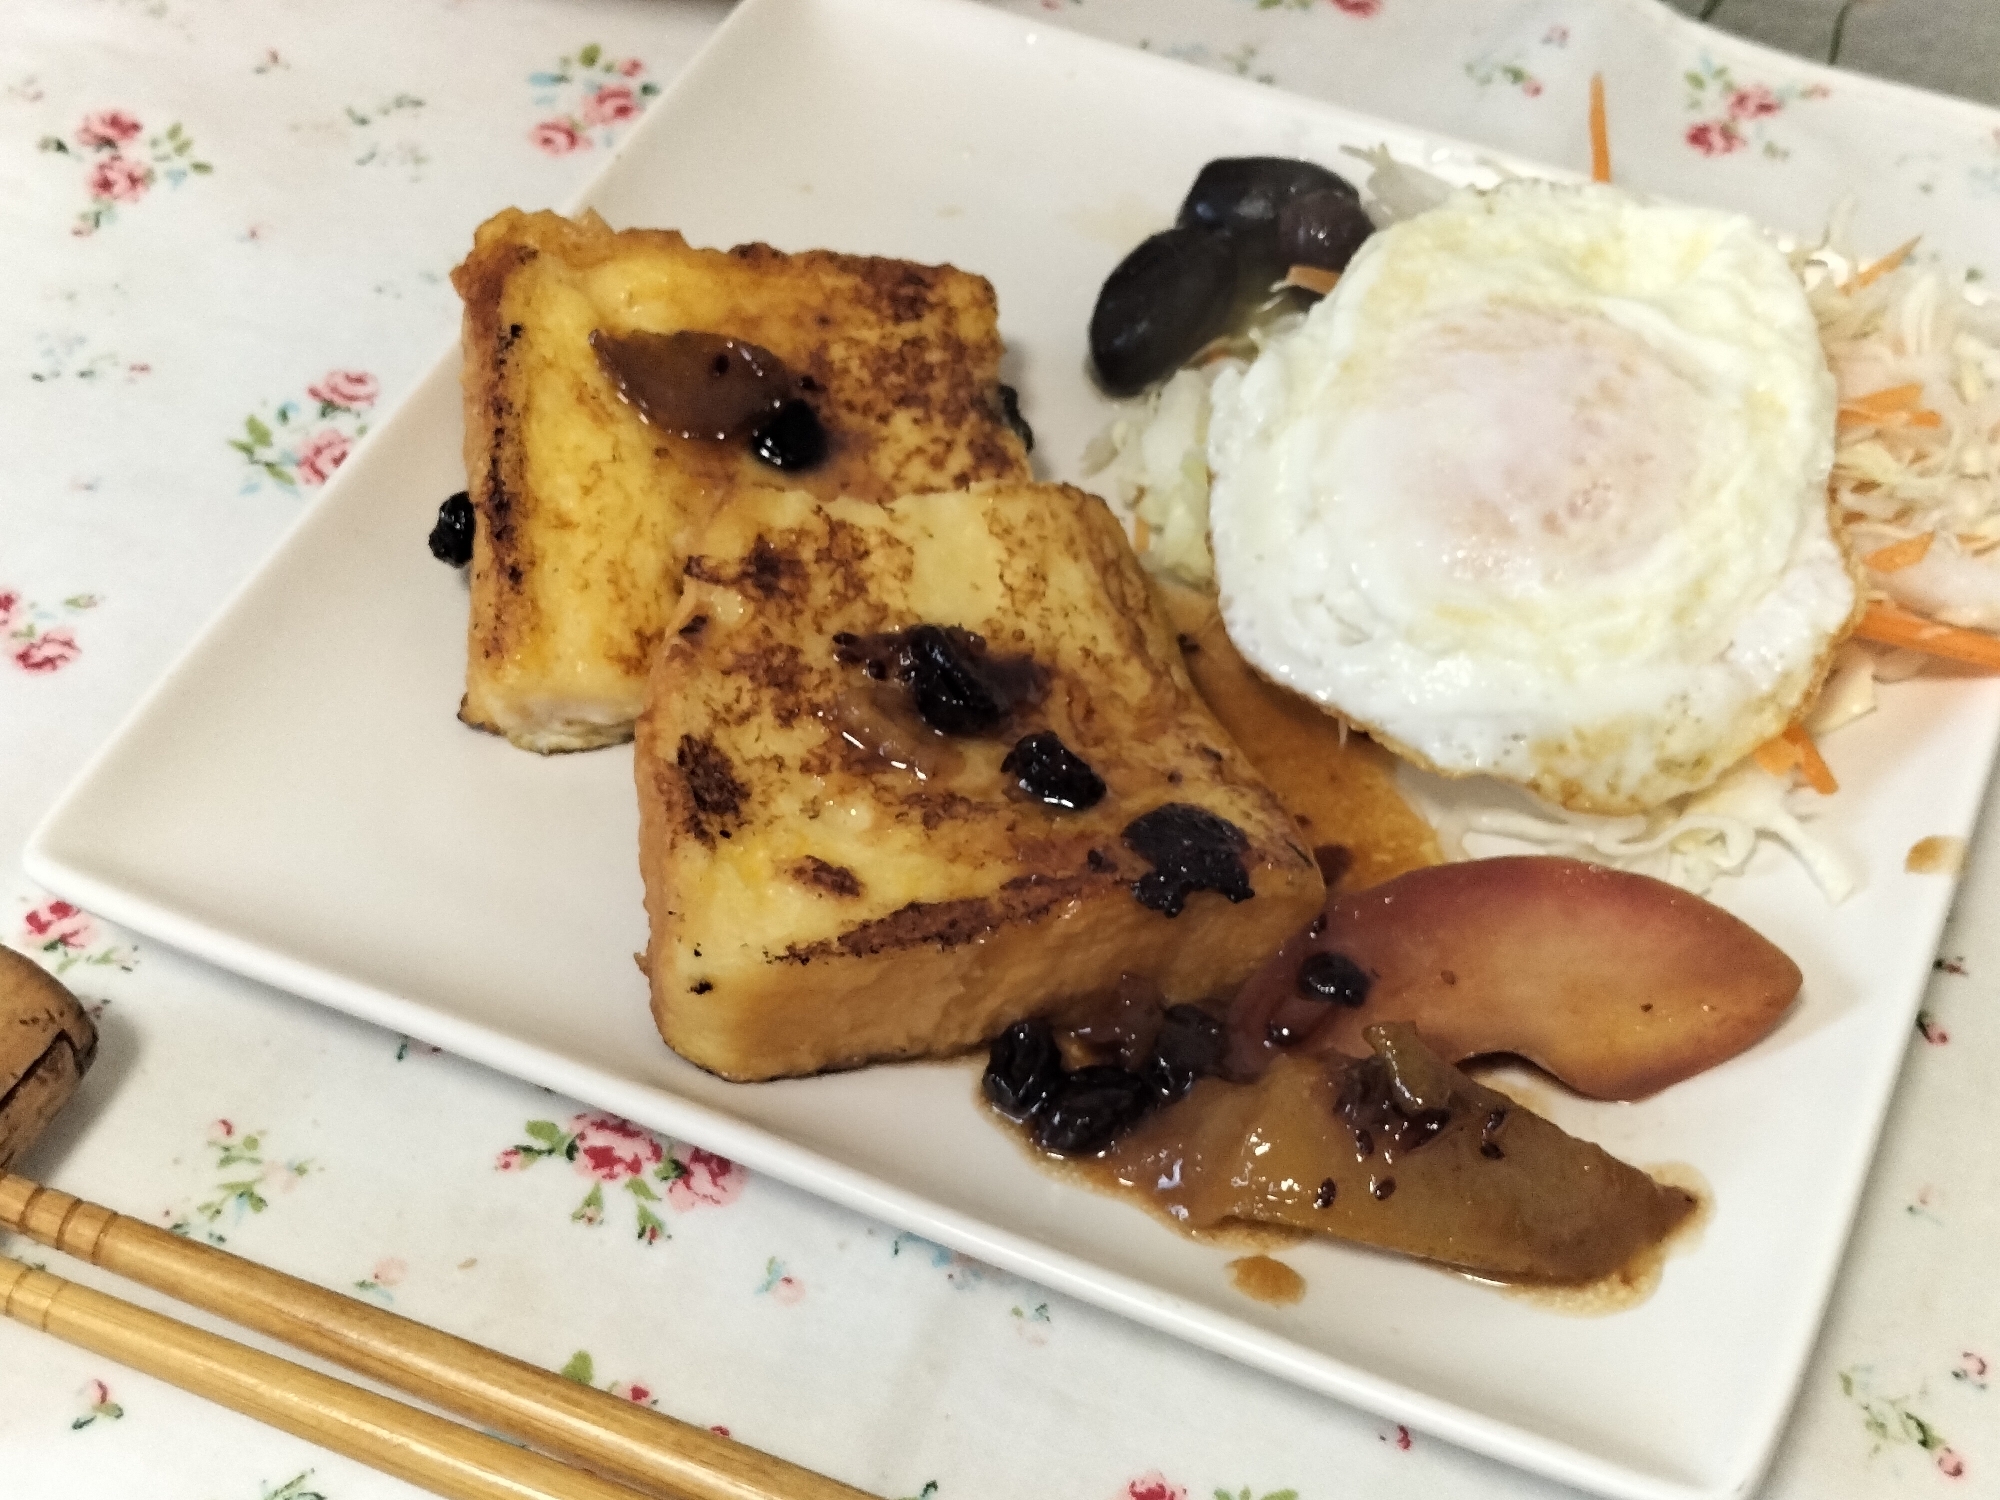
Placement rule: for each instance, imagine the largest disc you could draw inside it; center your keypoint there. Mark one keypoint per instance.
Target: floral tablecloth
(227, 231)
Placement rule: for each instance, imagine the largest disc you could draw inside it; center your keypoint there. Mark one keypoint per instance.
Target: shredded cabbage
(1929, 467)
(1153, 461)
(1690, 842)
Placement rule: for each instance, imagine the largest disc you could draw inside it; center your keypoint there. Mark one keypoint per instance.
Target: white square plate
(297, 802)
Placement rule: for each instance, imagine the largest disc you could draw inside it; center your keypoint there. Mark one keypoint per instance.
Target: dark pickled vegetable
(1334, 977)
(1190, 1046)
(1321, 229)
(1049, 771)
(1190, 849)
(793, 439)
(1165, 300)
(1010, 411)
(1091, 1109)
(1238, 193)
(1245, 221)
(1023, 1068)
(451, 537)
(1247, 198)
(698, 385)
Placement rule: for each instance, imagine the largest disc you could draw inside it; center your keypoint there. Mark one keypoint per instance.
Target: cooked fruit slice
(1399, 1150)
(1340, 785)
(584, 510)
(914, 771)
(1617, 984)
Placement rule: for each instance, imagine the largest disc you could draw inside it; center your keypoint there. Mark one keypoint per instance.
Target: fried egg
(1539, 491)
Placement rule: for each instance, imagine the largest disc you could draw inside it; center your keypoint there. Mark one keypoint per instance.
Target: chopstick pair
(594, 1446)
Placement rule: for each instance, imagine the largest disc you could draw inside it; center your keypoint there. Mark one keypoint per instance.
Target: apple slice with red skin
(1617, 984)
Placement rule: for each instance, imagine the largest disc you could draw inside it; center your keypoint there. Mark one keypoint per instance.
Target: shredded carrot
(1897, 406)
(1903, 554)
(1312, 279)
(1811, 765)
(1142, 534)
(1778, 756)
(1887, 625)
(1881, 403)
(1883, 266)
(1792, 751)
(1600, 134)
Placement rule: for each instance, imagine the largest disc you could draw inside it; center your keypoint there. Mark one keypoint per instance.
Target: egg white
(1540, 492)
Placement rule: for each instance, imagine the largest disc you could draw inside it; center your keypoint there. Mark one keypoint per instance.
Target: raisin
(1190, 1045)
(1049, 771)
(1334, 977)
(951, 693)
(1328, 1190)
(1023, 1067)
(1092, 1108)
(792, 439)
(955, 685)
(451, 537)
(1190, 849)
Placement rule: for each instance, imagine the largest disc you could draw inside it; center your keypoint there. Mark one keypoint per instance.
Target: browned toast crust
(583, 510)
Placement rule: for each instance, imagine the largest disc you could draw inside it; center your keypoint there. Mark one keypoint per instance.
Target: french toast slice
(583, 510)
(833, 881)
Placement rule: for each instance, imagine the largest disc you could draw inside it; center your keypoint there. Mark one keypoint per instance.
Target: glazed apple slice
(1398, 1150)
(1617, 984)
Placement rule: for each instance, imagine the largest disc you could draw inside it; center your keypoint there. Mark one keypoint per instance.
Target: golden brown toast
(831, 882)
(583, 510)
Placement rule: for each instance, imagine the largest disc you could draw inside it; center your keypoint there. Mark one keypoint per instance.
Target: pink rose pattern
(1736, 113)
(1359, 9)
(31, 639)
(123, 167)
(589, 95)
(349, 388)
(299, 444)
(705, 1181)
(247, 1178)
(97, 1406)
(780, 1285)
(582, 1368)
(605, 1149)
(1515, 73)
(109, 128)
(558, 137)
(1891, 1422)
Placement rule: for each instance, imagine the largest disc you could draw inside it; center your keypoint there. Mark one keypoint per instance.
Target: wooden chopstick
(617, 1439)
(426, 1450)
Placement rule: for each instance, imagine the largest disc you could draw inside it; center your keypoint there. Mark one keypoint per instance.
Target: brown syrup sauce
(1262, 1279)
(1151, 1180)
